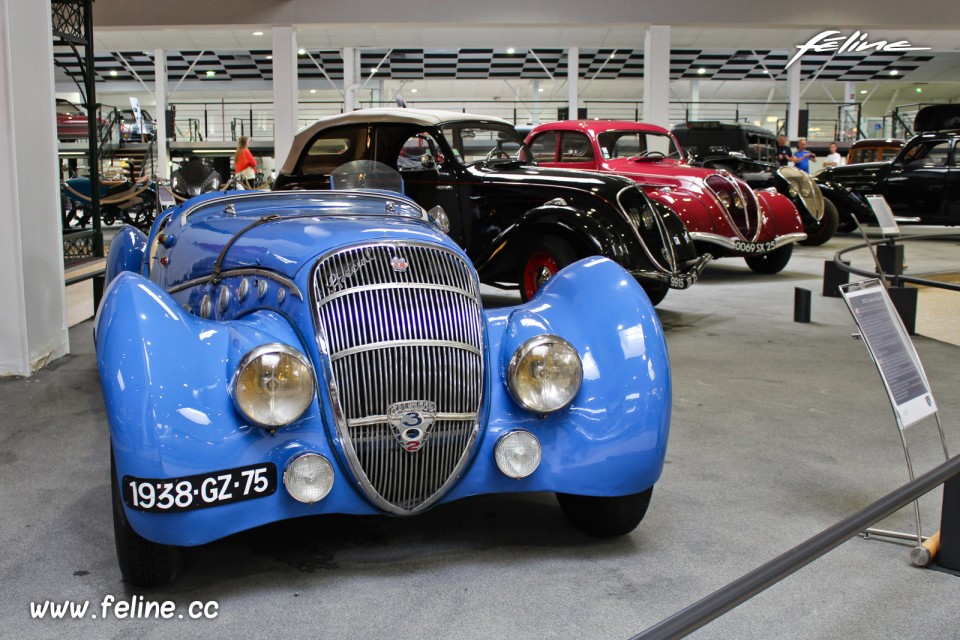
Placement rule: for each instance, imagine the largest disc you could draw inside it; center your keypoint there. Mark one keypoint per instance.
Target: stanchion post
(949, 554)
(904, 300)
(801, 304)
(833, 277)
(890, 257)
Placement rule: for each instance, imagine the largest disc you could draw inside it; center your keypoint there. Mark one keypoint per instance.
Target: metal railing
(227, 120)
(739, 591)
(898, 278)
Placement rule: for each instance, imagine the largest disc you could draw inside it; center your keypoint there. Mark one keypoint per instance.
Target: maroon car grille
(739, 203)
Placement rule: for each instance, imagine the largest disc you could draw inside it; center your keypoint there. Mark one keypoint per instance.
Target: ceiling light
(862, 91)
(701, 71)
(210, 74)
(301, 51)
(413, 90)
(313, 90)
(511, 51)
(113, 73)
(919, 90)
(269, 57)
(258, 33)
(894, 72)
(540, 90)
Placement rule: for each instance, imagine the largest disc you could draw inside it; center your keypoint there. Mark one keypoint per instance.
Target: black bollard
(833, 277)
(801, 305)
(949, 554)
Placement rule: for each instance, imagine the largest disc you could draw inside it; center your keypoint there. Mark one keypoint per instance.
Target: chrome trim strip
(251, 271)
(389, 344)
(730, 243)
(449, 417)
(391, 286)
(671, 269)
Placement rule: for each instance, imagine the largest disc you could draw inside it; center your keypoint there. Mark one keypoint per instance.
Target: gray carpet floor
(779, 430)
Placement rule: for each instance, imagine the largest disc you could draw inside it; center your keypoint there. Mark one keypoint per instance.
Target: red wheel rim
(540, 267)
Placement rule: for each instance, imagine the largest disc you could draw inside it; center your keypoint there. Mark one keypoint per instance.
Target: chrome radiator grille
(402, 327)
(745, 217)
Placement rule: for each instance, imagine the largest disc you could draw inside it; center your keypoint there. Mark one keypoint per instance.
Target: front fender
(782, 213)
(127, 250)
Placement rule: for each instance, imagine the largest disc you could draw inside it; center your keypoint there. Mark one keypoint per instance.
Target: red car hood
(668, 173)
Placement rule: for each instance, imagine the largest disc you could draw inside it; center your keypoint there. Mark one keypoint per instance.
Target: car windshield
(638, 145)
(486, 142)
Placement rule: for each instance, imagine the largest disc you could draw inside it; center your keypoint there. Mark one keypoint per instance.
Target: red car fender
(690, 207)
(781, 212)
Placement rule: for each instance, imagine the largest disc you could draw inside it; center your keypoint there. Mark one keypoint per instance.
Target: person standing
(833, 159)
(784, 152)
(801, 159)
(244, 164)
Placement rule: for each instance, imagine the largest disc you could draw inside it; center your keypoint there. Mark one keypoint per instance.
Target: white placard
(892, 350)
(883, 212)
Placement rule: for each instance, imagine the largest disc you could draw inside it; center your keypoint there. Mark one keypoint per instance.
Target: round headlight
(517, 454)
(544, 374)
(724, 198)
(308, 478)
(737, 202)
(440, 218)
(273, 385)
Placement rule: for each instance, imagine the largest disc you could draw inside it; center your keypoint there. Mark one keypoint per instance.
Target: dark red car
(72, 121)
(724, 216)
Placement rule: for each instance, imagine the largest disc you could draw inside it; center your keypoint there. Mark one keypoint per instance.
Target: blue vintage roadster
(266, 356)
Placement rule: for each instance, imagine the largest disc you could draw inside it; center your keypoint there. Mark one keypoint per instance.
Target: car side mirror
(427, 161)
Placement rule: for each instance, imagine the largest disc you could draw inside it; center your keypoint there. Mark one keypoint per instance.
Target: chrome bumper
(677, 279)
(735, 245)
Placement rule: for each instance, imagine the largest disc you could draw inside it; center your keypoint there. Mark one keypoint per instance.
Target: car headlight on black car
(544, 374)
(273, 385)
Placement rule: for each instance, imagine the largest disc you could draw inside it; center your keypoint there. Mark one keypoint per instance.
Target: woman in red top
(244, 166)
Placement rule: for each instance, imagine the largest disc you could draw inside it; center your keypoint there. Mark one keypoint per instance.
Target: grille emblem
(399, 263)
(411, 422)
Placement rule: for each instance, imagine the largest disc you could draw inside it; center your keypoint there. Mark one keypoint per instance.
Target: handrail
(742, 589)
(896, 278)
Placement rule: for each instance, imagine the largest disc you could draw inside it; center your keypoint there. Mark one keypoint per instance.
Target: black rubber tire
(605, 517)
(142, 563)
(827, 227)
(557, 249)
(656, 291)
(772, 262)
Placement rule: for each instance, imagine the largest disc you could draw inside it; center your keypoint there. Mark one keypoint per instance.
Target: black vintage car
(518, 223)
(921, 183)
(751, 153)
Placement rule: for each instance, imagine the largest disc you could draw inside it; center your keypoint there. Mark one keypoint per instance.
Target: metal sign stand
(900, 369)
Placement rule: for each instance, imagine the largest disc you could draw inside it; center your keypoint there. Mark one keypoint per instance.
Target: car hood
(283, 235)
(534, 175)
(662, 173)
(853, 175)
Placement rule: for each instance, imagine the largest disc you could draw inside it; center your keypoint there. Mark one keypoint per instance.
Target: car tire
(827, 227)
(142, 563)
(656, 291)
(603, 517)
(772, 262)
(545, 258)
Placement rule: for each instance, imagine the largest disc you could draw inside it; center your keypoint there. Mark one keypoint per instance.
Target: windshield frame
(607, 149)
(451, 134)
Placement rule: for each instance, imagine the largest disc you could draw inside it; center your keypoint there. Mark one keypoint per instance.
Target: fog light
(517, 454)
(308, 478)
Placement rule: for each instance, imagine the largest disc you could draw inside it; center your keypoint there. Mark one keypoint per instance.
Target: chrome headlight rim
(522, 352)
(501, 460)
(292, 467)
(802, 185)
(258, 352)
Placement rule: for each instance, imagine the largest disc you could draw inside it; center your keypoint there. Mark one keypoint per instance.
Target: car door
(916, 182)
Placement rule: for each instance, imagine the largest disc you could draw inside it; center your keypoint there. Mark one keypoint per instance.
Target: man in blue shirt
(801, 160)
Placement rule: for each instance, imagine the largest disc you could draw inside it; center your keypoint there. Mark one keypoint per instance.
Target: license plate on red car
(171, 495)
(754, 247)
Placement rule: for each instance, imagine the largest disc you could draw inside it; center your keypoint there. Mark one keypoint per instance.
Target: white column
(656, 75)
(350, 85)
(573, 83)
(849, 124)
(33, 321)
(695, 99)
(285, 97)
(535, 102)
(793, 97)
(160, 90)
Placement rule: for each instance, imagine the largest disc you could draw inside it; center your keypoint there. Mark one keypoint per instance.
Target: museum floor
(779, 430)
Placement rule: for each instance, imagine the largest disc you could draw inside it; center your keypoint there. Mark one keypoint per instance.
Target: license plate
(171, 495)
(683, 281)
(754, 247)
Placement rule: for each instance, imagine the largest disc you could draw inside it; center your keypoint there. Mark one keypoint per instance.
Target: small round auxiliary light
(517, 454)
(308, 478)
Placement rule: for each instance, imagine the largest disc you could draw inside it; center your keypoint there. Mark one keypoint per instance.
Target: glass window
(544, 147)
(928, 153)
(333, 148)
(628, 144)
(482, 142)
(761, 148)
(575, 147)
(420, 151)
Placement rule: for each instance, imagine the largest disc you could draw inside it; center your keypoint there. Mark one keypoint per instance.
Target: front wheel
(826, 228)
(142, 563)
(602, 517)
(544, 259)
(656, 291)
(772, 262)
